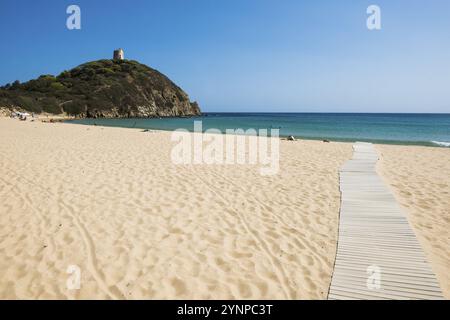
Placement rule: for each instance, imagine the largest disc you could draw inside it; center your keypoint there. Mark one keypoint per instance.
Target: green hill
(103, 88)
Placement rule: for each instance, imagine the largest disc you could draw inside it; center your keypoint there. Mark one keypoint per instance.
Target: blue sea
(408, 129)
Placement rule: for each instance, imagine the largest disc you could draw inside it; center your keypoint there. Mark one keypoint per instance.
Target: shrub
(106, 71)
(28, 103)
(47, 77)
(94, 65)
(57, 86)
(50, 105)
(74, 107)
(15, 85)
(64, 75)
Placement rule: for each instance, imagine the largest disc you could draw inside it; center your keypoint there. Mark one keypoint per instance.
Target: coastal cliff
(103, 88)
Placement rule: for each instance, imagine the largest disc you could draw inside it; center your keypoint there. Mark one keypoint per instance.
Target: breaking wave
(442, 143)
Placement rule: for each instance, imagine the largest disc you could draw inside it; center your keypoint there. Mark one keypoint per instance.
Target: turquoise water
(415, 129)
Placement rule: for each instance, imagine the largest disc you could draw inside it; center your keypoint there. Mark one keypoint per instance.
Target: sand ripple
(110, 201)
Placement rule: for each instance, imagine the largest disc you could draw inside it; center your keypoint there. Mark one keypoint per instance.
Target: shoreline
(76, 120)
(282, 137)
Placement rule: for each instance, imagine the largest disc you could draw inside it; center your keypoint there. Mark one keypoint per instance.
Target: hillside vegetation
(103, 88)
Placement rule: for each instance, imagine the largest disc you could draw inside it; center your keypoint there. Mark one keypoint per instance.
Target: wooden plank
(385, 293)
(394, 286)
(374, 233)
(404, 280)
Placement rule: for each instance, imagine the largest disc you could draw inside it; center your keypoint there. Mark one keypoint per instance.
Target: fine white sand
(110, 201)
(420, 179)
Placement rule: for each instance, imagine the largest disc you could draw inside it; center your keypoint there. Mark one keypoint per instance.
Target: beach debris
(291, 138)
(326, 141)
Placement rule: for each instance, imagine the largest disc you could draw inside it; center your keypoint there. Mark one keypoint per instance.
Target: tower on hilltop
(118, 54)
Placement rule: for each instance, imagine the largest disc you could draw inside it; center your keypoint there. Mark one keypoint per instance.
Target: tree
(15, 85)
(64, 75)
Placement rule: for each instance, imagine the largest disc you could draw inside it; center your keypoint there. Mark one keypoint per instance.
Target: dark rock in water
(291, 138)
(327, 141)
(102, 89)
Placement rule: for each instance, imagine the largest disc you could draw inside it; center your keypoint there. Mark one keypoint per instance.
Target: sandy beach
(110, 201)
(419, 178)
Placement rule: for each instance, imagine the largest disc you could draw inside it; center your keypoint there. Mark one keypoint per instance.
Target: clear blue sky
(250, 55)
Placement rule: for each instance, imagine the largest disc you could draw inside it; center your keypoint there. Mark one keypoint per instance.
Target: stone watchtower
(118, 54)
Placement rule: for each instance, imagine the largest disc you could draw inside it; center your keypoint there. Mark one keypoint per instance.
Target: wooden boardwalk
(378, 255)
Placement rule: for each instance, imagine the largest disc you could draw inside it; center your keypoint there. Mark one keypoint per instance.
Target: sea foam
(442, 143)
